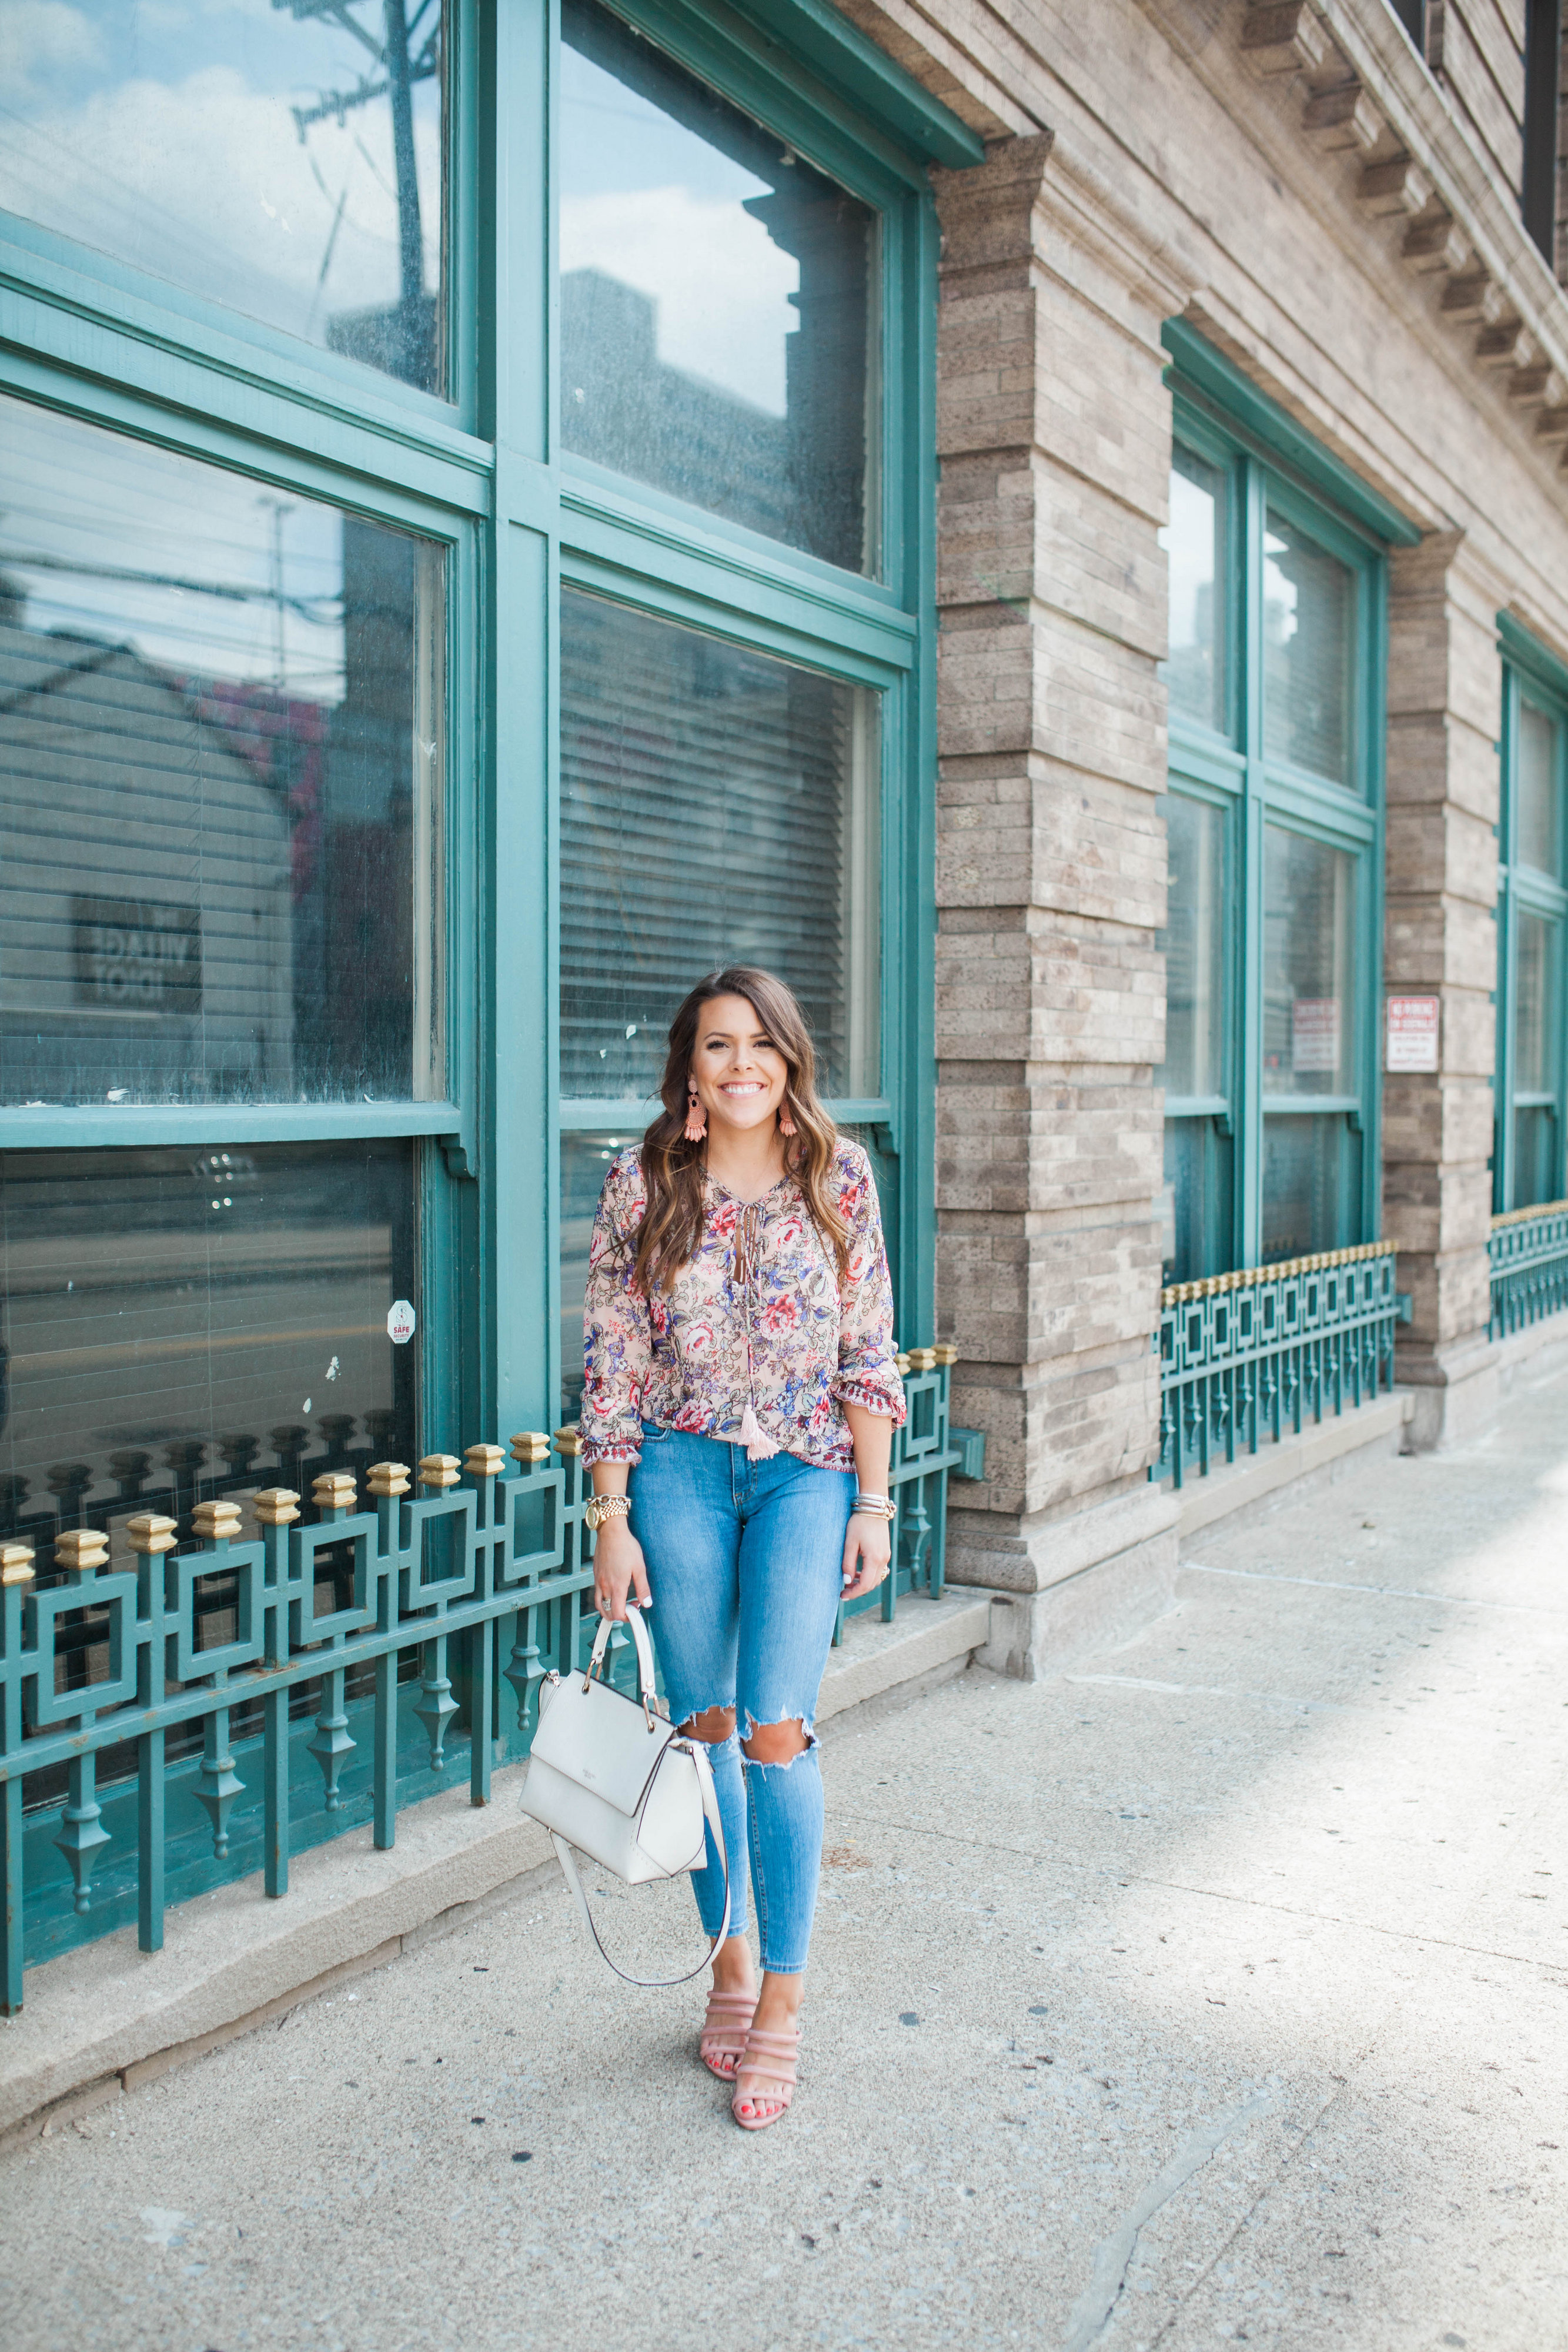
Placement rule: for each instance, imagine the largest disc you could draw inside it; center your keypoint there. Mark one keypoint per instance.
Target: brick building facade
(1339, 217)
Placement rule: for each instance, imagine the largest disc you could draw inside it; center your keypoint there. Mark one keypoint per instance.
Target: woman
(738, 1410)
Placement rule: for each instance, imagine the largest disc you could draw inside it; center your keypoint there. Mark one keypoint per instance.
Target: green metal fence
(187, 1698)
(926, 1451)
(1246, 1357)
(1529, 1254)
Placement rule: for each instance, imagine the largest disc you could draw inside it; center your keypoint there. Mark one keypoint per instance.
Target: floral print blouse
(759, 1317)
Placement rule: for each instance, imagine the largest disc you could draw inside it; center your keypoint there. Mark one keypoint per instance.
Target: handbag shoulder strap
(568, 1860)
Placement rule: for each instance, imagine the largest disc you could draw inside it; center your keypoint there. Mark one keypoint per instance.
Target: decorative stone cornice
(1368, 100)
(988, 212)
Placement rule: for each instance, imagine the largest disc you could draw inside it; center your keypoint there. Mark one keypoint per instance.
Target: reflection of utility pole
(411, 245)
(406, 53)
(278, 508)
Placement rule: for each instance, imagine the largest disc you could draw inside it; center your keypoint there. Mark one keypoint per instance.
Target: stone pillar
(1440, 938)
(1054, 433)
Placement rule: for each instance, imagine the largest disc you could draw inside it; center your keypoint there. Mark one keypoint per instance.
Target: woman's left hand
(868, 1553)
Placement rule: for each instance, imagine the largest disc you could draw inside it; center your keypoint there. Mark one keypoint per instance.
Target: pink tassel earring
(786, 1124)
(696, 1117)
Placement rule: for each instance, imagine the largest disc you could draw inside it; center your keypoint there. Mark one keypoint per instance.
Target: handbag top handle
(644, 1649)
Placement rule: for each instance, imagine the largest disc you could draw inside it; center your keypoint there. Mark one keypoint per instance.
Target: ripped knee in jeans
(713, 1725)
(777, 1743)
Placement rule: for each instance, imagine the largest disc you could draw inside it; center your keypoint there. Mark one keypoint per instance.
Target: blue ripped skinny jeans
(744, 1563)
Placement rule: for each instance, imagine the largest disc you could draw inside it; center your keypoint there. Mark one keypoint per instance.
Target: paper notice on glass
(1314, 1034)
(1412, 1035)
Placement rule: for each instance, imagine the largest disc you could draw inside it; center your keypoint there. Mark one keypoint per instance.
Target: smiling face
(741, 1074)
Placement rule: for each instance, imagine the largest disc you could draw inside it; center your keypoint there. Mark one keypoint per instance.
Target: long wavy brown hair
(673, 1167)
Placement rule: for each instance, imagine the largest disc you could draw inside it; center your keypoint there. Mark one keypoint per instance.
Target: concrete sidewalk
(1215, 1991)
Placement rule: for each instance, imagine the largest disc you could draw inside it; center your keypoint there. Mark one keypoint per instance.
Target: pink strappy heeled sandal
(769, 2064)
(724, 2029)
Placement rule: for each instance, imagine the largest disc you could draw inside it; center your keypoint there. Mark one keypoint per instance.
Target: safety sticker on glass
(400, 1320)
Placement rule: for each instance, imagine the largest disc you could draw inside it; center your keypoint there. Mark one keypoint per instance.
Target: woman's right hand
(618, 1569)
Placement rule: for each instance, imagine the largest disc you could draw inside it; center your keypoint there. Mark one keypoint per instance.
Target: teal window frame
(481, 473)
(1268, 462)
(1530, 674)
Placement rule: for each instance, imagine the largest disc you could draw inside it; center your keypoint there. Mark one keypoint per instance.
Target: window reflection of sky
(162, 131)
(1279, 593)
(1307, 620)
(1194, 668)
(1189, 539)
(649, 203)
(148, 531)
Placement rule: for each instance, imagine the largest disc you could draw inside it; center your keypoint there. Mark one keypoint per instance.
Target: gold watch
(605, 1506)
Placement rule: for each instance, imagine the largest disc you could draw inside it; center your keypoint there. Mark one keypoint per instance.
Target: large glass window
(180, 1324)
(1535, 994)
(1528, 1165)
(1538, 789)
(1272, 932)
(720, 315)
(1194, 945)
(285, 161)
(1309, 946)
(717, 806)
(1312, 1182)
(221, 753)
(1194, 541)
(1196, 1071)
(1309, 622)
(1312, 1159)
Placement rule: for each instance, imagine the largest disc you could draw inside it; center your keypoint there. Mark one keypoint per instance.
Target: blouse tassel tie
(759, 1446)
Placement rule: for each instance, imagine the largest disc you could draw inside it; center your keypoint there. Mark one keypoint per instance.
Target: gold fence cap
(567, 1442)
(276, 1507)
(333, 1491)
(945, 1352)
(82, 1550)
(17, 1564)
(1522, 1216)
(1288, 1269)
(531, 1445)
(921, 1359)
(388, 1479)
(902, 1360)
(151, 1533)
(484, 1462)
(216, 1522)
(439, 1470)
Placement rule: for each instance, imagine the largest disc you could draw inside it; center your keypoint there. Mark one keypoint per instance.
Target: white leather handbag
(612, 1776)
